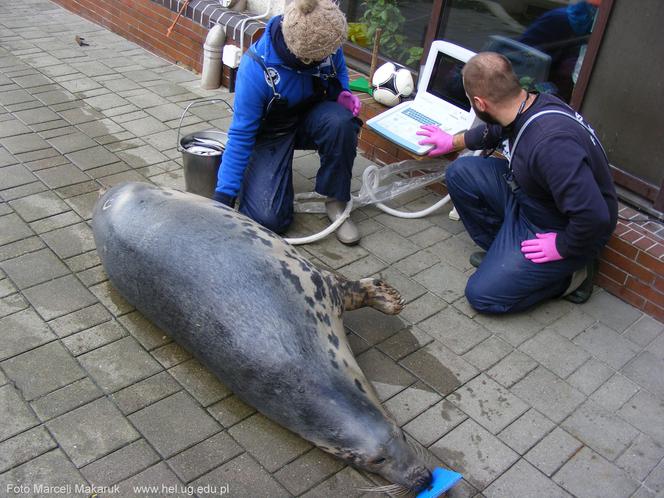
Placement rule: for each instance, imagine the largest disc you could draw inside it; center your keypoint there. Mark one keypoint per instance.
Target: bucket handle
(194, 103)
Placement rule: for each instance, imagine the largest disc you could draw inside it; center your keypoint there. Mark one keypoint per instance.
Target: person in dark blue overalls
(543, 215)
(292, 92)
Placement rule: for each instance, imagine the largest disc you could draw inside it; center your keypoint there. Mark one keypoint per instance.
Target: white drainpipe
(214, 44)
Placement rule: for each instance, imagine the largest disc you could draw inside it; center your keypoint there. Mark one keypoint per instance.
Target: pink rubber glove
(542, 249)
(350, 102)
(441, 141)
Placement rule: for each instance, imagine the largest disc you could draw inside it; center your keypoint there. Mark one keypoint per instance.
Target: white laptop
(440, 100)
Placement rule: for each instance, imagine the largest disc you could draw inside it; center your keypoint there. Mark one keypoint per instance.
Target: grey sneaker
(476, 258)
(347, 233)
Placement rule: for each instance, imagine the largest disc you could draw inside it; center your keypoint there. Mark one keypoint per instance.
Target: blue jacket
(563, 173)
(253, 93)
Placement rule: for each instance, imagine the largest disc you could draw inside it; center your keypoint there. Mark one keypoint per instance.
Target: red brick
(653, 264)
(629, 266)
(657, 251)
(631, 236)
(623, 293)
(645, 243)
(613, 272)
(655, 311)
(622, 247)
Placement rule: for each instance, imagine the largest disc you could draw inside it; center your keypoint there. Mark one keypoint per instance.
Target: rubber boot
(347, 233)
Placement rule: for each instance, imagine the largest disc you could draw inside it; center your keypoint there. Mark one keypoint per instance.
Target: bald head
(489, 75)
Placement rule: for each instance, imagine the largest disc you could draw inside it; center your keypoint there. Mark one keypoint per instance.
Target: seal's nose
(422, 479)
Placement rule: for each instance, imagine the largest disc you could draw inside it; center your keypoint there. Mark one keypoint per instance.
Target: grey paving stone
(515, 329)
(105, 102)
(512, 368)
(231, 410)
(474, 452)
(429, 236)
(329, 250)
(159, 478)
(454, 330)
(386, 377)
(588, 474)
(145, 392)
(443, 280)
(79, 320)
(93, 338)
(410, 402)
(12, 176)
(92, 158)
(50, 471)
(199, 382)
(641, 457)
(13, 127)
(644, 330)
(615, 392)
(24, 447)
(440, 368)
(84, 204)
(174, 423)
(526, 431)
(488, 353)
(657, 346)
(372, 325)
(12, 229)
(16, 415)
(12, 304)
(488, 403)
(524, 480)
(120, 464)
(83, 261)
(23, 191)
(110, 298)
(655, 480)
(556, 353)
(407, 287)
(548, 394)
(65, 399)
(607, 345)
(71, 240)
(141, 156)
(590, 376)
(553, 451)
(119, 364)
(146, 333)
(37, 115)
(6, 159)
(646, 370)
(404, 342)
(170, 355)
(21, 332)
(55, 97)
(646, 413)
(204, 456)
(54, 222)
(32, 80)
(599, 429)
(80, 115)
(417, 262)
(42, 370)
(72, 142)
(145, 126)
(608, 309)
(307, 471)
(244, 476)
(14, 97)
(38, 206)
(59, 297)
(34, 268)
(23, 143)
(435, 422)
(91, 431)
(269, 443)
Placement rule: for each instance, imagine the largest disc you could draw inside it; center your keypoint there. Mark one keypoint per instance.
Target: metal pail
(200, 170)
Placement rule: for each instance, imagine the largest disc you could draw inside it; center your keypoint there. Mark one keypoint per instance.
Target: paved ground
(563, 401)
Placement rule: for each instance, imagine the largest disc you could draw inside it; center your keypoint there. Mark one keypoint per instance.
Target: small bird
(81, 41)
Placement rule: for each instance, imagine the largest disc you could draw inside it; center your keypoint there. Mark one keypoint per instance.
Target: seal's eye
(378, 461)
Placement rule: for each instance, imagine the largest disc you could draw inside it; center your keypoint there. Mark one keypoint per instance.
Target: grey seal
(262, 318)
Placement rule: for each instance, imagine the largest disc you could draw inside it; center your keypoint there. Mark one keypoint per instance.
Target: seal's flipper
(370, 292)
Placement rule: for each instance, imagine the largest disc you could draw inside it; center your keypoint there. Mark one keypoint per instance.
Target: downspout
(214, 44)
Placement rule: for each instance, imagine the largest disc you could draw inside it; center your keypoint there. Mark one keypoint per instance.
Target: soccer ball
(391, 85)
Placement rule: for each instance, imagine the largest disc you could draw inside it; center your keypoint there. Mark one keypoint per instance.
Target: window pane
(404, 24)
(545, 40)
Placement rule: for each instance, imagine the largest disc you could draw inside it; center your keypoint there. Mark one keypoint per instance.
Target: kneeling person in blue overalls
(292, 93)
(542, 216)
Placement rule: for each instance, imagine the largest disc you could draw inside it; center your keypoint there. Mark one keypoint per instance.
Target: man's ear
(480, 103)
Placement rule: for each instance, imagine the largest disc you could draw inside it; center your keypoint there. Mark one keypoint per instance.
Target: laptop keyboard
(419, 117)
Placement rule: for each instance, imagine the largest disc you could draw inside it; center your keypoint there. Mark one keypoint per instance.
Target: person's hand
(442, 142)
(542, 249)
(350, 102)
(225, 199)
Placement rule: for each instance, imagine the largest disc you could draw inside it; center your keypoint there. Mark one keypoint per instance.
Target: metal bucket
(200, 170)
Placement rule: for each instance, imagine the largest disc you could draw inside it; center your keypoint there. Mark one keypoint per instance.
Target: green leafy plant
(385, 14)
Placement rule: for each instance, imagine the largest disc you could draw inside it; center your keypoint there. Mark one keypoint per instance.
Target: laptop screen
(446, 82)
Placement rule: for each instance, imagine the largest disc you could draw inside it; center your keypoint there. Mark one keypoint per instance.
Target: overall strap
(268, 76)
(576, 117)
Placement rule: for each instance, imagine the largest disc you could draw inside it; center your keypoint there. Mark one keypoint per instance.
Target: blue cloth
(564, 175)
(267, 191)
(494, 217)
(252, 95)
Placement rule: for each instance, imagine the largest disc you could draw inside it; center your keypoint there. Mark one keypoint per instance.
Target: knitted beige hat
(313, 29)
